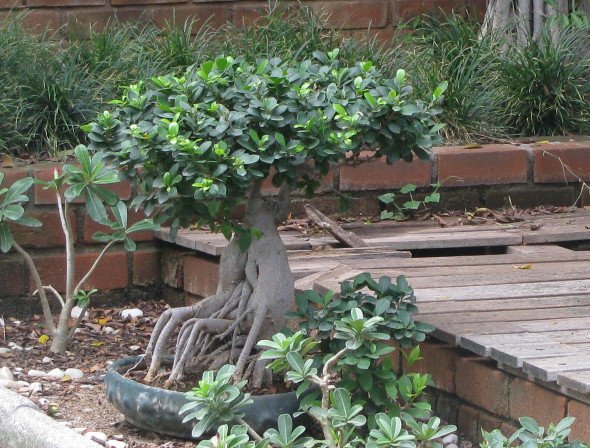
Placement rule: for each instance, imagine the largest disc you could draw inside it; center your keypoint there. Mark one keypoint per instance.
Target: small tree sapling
(87, 179)
(198, 143)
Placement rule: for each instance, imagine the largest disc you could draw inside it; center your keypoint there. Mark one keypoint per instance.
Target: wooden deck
(528, 308)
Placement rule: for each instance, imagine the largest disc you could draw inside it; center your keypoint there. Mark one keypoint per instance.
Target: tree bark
(255, 290)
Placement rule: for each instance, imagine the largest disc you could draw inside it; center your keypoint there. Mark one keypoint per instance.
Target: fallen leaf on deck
(523, 266)
(43, 339)
(96, 344)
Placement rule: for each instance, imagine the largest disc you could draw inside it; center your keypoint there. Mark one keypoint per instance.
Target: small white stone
(450, 439)
(115, 444)
(98, 437)
(75, 373)
(28, 349)
(118, 436)
(13, 385)
(56, 374)
(5, 351)
(86, 386)
(80, 430)
(77, 330)
(6, 374)
(117, 331)
(134, 348)
(108, 330)
(451, 445)
(36, 388)
(18, 369)
(42, 401)
(46, 360)
(76, 312)
(109, 363)
(16, 322)
(131, 313)
(14, 346)
(36, 373)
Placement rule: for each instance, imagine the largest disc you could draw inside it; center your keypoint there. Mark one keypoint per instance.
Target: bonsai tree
(200, 144)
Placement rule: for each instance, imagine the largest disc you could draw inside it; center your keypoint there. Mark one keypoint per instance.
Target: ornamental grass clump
(196, 144)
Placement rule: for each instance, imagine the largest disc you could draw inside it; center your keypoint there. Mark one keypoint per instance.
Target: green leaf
(94, 206)
(13, 212)
(5, 238)
(28, 222)
(120, 214)
(409, 188)
(83, 157)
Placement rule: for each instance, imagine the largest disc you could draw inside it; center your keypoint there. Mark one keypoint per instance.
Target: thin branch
(94, 266)
(67, 231)
(54, 292)
(77, 322)
(251, 431)
(37, 279)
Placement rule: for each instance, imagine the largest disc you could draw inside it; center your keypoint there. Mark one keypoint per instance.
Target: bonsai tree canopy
(198, 144)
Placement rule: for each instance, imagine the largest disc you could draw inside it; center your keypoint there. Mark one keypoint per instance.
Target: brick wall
(382, 16)
(119, 271)
(474, 394)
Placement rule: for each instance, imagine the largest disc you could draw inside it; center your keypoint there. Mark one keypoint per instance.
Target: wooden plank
(577, 380)
(485, 292)
(308, 282)
(537, 269)
(518, 303)
(551, 234)
(453, 333)
(446, 240)
(547, 369)
(483, 344)
(356, 253)
(544, 314)
(581, 323)
(579, 271)
(540, 249)
(470, 260)
(514, 355)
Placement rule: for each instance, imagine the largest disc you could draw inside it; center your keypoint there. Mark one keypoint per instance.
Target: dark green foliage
(394, 304)
(196, 143)
(545, 86)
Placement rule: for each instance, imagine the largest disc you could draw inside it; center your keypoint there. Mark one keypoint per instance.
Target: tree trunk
(255, 291)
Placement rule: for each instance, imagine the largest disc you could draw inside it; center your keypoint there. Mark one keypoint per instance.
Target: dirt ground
(81, 403)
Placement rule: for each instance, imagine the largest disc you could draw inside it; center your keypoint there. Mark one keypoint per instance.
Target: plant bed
(81, 403)
(158, 409)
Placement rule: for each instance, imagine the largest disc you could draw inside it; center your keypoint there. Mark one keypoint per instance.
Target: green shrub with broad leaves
(196, 143)
(88, 178)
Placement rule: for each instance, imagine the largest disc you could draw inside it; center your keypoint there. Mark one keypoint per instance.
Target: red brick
(532, 400)
(508, 429)
(90, 227)
(467, 420)
(353, 14)
(574, 155)
(405, 10)
(143, 2)
(379, 175)
(40, 20)
(200, 275)
(58, 3)
(99, 18)
(13, 276)
(482, 384)
(49, 235)
(146, 267)
(487, 423)
(172, 261)
(581, 427)
(489, 165)
(439, 360)
(214, 16)
(11, 175)
(45, 173)
(110, 274)
(10, 4)
(246, 15)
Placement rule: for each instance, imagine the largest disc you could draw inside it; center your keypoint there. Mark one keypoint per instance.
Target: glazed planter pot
(157, 409)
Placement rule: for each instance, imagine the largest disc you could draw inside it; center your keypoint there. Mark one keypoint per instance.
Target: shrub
(545, 85)
(85, 180)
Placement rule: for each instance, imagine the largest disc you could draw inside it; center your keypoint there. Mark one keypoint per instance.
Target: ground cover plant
(86, 179)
